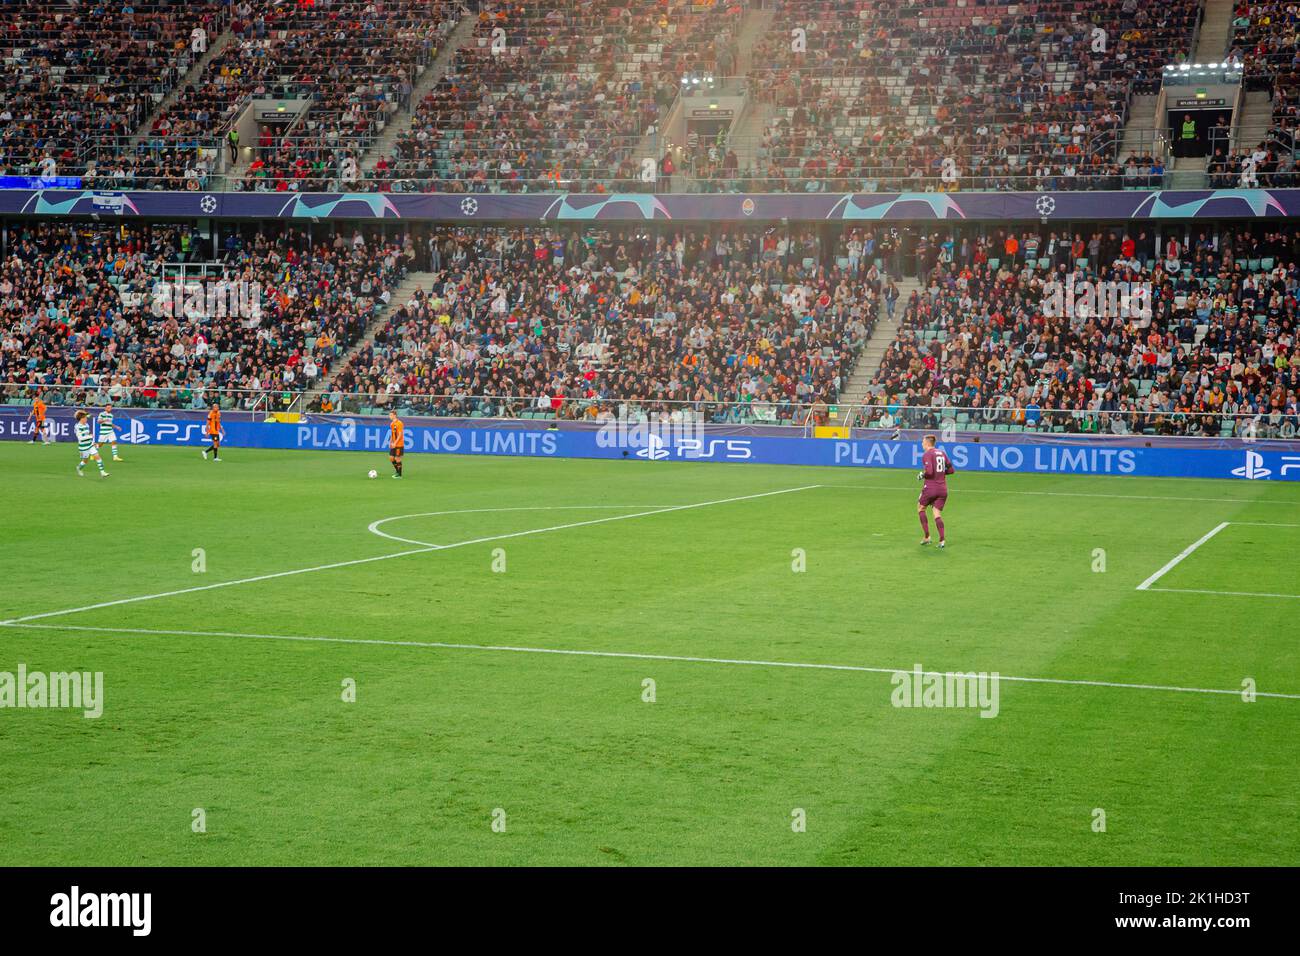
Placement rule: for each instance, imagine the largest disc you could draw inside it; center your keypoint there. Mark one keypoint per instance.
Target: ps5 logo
(731, 449)
(1253, 468)
(172, 432)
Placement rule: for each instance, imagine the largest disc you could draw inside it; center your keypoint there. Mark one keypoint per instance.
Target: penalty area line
(625, 655)
(1253, 594)
(400, 554)
(1177, 559)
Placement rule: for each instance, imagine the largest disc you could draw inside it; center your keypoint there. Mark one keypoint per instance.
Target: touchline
(134, 910)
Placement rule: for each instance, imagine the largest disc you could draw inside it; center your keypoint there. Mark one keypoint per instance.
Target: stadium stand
(1011, 96)
(79, 78)
(1266, 40)
(355, 60)
(522, 315)
(745, 326)
(553, 94)
(938, 94)
(1220, 338)
(80, 313)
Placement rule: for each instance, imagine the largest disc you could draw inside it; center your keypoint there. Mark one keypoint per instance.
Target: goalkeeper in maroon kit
(936, 466)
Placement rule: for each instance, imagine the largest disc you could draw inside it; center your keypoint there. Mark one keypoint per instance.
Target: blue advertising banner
(1070, 455)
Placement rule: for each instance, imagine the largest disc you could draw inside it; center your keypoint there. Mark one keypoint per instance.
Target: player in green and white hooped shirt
(86, 445)
(106, 430)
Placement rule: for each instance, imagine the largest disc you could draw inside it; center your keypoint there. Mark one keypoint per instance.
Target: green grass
(255, 733)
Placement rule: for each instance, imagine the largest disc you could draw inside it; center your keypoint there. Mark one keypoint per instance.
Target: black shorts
(396, 451)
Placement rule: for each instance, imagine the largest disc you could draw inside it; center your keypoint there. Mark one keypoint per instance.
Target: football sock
(925, 524)
(938, 523)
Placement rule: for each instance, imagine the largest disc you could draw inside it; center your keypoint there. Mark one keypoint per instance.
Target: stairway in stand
(401, 295)
(858, 389)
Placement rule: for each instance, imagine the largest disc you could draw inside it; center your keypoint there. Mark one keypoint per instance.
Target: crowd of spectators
(551, 95)
(742, 325)
(79, 76)
(575, 324)
(1266, 40)
(106, 310)
(1216, 336)
(556, 95)
(356, 60)
(1267, 165)
(936, 95)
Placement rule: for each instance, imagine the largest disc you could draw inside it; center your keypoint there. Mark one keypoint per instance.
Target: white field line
(1173, 563)
(1265, 524)
(1081, 494)
(402, 554)
(1259, 594)
(373, 527)
(627, 655)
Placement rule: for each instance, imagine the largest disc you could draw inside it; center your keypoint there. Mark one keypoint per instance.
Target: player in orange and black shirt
(396, 443)
(37, 415)
(214, 433)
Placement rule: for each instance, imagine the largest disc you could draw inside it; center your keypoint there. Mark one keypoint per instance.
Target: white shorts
(110, 438)
(87, 452)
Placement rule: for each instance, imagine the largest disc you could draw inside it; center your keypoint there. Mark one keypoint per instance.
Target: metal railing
(1003, 416)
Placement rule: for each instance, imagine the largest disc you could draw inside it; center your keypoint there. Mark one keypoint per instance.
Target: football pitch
(530, 661)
